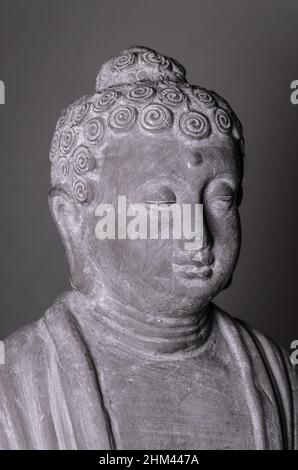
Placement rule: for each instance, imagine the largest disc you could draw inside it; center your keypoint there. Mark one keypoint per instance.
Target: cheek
(148, 258)
(225, 234)
(138, 259)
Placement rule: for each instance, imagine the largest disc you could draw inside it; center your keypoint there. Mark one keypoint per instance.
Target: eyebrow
(227, 178)
(206, 151)
(202, 154)
(156, 182)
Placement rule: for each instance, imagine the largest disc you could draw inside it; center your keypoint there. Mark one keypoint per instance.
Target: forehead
(137, 156)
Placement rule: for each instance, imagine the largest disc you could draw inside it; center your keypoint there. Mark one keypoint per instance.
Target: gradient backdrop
(50, 51)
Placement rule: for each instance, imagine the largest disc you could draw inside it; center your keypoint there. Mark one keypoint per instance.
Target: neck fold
(143, 333)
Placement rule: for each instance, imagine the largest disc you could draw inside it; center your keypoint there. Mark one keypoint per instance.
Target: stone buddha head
(149, 135)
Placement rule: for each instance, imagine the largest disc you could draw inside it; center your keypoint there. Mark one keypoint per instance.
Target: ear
(68, 220)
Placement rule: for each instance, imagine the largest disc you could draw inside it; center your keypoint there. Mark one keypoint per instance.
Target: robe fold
(51, 395)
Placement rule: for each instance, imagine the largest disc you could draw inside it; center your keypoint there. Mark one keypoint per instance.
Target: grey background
(50, 52)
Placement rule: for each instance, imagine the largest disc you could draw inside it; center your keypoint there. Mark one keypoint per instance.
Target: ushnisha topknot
(138, 87)
(138, 64)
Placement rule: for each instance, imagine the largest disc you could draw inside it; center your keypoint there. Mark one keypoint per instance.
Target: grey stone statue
(137, 355)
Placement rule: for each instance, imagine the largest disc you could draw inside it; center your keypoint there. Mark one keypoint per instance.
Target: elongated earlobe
(67, 217)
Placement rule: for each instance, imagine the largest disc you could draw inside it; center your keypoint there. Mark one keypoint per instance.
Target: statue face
(162, 168)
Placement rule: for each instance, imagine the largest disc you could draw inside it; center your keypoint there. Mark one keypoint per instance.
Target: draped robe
(52, 398)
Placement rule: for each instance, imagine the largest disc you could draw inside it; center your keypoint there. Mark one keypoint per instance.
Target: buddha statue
(136, 355)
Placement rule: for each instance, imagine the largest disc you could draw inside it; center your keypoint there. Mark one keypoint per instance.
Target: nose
(190, 243)
(193, 244)
(198, 238)
(207, 239)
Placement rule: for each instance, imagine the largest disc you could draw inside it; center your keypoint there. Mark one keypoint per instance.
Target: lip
(197, 259)
(193, 265)
(193, 271)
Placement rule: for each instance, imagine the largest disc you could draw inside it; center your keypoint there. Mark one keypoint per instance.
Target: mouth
(194, 266)
(192, 272)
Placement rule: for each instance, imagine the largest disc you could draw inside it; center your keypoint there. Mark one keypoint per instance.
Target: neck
(153, 333)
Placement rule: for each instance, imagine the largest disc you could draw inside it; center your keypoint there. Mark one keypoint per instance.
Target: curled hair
(138, 88)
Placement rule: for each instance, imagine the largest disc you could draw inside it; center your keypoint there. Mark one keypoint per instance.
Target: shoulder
(48, 382)
(248, 342)
(267, 363)
(240, 330)
(29, 343)
(30, 357)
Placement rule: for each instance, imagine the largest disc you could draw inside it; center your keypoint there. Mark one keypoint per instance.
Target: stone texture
(137, 355)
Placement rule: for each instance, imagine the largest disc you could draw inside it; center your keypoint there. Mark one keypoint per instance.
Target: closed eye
(158, 196)
(222, 198)
(224, 201)
(159, 204)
